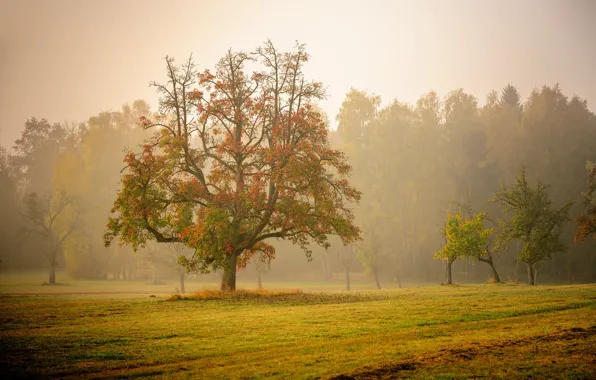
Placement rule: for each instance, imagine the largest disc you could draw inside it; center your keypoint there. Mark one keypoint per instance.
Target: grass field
(497, 331)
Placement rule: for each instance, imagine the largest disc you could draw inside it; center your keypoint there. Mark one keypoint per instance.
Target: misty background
(67, 60)
(73, 62)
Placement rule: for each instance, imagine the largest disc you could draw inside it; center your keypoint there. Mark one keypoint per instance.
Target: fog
(417, 97)
(66, 60)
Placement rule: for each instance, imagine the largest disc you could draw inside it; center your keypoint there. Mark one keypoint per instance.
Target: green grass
(432, 332)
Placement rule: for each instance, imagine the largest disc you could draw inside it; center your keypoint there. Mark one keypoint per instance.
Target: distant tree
(346, 256)
(586, 222)
(10, 219)
(510, 97)
(88, 169)
(465, 147)
(263, 167)
(35, 154)
(49, 217)
(356, 113)
(464, 238)
(534, 222)
(369, 253)
(169, 256)
(262, 265)
(391, 195)
(502, 118)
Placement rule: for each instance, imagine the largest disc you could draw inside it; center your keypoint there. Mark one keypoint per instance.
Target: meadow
(105, 330)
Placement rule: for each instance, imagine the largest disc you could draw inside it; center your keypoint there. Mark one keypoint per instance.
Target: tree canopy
(236, 160)
(464, 238)
(534, 221)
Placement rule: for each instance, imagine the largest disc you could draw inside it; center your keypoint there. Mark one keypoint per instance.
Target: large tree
(262, 166)
(534, 222)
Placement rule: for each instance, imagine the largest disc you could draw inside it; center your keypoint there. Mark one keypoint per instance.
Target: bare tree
(171, 259)
(262, 265)
(369, 252)
(55, 218)
(346, 256)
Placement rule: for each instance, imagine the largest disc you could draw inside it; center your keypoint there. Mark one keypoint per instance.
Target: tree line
(233, 166)
(498, 183)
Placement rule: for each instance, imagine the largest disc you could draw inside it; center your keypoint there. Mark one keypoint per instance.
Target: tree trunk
(347, 278)
(228, 280)
(376, 275)
(182, 290)
(53, 262)
(489, 261)
(449, 278)
(260, 284)
(531, 274)
(519, 248)
(52, 273)
(495, 274)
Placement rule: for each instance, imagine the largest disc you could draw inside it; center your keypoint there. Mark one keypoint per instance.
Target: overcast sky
(67, 60)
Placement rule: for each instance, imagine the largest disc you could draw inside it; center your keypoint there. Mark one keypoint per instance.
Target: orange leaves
(195, 95)
(257, 76)
(205, 77)
(271, 171)
(145, 122)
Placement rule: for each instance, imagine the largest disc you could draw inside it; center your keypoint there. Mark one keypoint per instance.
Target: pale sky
(67, 60)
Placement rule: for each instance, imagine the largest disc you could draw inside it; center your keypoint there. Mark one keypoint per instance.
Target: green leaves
(464, 238)
(534, 221)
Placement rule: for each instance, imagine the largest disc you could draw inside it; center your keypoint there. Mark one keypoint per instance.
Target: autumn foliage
(235, 161)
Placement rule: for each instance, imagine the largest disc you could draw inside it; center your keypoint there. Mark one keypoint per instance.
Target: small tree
(48, 218)
(463, 238)
(484, 255)
(534, 222)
